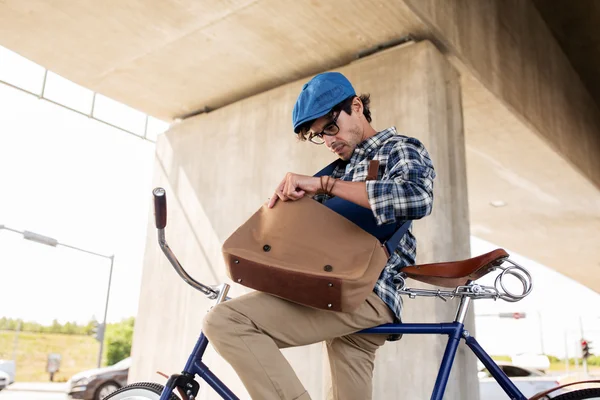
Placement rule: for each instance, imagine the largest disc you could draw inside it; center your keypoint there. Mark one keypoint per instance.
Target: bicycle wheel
(139, 391)
(581, 394)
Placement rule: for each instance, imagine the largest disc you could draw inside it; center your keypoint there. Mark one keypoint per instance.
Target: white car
(4, 380)
(8, 367)
(528, 381)
(540, 362)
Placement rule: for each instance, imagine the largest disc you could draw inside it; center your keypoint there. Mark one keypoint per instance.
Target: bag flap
(304, 235)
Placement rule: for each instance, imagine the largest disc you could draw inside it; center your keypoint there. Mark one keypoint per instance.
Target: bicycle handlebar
(160, 208)
(160, 214)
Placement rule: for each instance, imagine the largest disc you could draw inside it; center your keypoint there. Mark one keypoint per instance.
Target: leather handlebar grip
(160, 207)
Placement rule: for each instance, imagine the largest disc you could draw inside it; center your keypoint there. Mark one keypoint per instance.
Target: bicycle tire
(141, 390)
(581, 394)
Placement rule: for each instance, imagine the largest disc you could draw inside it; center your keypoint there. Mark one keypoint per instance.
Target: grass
(78, 353)
(558, 366)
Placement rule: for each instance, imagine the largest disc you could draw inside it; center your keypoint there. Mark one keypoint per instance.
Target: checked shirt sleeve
(406, 188)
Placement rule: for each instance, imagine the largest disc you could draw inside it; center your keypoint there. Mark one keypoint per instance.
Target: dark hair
(346, 106)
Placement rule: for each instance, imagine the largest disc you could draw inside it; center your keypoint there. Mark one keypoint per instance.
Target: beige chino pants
(248, 332)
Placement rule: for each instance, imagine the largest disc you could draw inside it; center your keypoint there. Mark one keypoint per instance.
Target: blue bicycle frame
(455, 331)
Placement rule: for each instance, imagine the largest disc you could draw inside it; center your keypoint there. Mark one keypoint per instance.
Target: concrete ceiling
(576, 27)
(170, 58)
(179, 56)
(552, 212)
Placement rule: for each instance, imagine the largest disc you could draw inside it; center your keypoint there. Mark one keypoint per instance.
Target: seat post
(463, 308)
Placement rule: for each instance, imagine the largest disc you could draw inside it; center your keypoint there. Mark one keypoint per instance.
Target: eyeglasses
(331, 129)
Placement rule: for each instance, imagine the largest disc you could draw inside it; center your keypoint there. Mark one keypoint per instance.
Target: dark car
(96, 384)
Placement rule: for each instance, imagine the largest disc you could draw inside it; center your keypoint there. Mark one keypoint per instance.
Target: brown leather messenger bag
(308, 253)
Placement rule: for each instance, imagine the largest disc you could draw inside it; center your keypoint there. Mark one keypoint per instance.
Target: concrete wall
(220, 167)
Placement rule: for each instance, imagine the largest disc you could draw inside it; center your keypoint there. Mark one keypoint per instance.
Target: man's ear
(357, 105)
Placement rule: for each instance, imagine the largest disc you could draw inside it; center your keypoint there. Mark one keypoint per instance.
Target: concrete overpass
(504, 93)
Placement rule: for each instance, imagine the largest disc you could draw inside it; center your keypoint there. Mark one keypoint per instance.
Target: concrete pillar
(220, 167)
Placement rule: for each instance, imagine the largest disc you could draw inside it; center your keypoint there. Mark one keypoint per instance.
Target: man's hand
(294, 187)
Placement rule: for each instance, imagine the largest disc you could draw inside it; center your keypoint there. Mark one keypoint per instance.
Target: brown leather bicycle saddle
(456, 273)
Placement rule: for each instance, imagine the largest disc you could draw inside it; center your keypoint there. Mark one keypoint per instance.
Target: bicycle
(461, 274)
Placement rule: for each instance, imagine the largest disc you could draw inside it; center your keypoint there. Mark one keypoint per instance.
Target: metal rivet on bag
(330, 284)
(329, 305)
(328, 268)
(239, 280)
(236, 261)
(266, 247)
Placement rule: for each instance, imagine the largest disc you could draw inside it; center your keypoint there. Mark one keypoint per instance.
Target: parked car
(8, 367)
(540, 362)
(528, 380)
(96, 384)
(4, 380)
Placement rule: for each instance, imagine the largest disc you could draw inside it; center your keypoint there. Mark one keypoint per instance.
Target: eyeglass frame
(331, 124)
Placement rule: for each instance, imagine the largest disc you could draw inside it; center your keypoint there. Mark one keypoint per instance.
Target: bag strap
(371, 173)
(373, 170)
(328, 170)
(392, 243)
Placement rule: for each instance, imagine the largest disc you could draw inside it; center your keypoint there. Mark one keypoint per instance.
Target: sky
(82, 182)
(88, 185)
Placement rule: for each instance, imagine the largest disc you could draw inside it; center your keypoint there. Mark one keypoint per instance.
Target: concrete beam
(507, 46)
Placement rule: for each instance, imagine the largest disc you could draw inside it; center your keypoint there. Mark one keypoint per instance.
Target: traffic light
(585, 348)
(98, 331)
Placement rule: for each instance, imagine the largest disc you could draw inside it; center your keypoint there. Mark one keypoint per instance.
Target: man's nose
(329, 140)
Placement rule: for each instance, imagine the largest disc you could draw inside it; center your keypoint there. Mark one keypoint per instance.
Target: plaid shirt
(403, 190)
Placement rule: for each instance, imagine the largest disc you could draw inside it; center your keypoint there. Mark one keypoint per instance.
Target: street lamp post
(35, 237)
(112, 261)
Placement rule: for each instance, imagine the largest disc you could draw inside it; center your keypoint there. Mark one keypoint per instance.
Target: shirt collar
(371, 144)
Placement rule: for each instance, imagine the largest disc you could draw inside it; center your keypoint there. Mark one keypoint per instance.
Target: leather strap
(371, 173)
(373, 170)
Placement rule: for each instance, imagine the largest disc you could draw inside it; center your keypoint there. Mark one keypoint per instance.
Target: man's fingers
(291, 189)
(297, 195)
(287, 190)
(277, 194)
(273, 200)
(293, 196)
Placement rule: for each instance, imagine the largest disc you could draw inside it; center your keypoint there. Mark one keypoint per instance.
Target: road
(35, 391)
(27, 395)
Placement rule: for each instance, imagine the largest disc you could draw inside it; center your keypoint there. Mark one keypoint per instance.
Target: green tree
(70, 328)
(554, 359)
(31, 327)
(89, 328)
(56, 327)
(9, 324)
(118, 337)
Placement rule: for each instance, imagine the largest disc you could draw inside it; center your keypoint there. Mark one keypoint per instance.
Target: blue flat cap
(319, 96)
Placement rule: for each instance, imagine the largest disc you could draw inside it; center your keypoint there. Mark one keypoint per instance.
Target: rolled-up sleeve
(406, 188)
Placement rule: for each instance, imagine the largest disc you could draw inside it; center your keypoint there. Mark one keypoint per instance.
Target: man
(249, 331)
